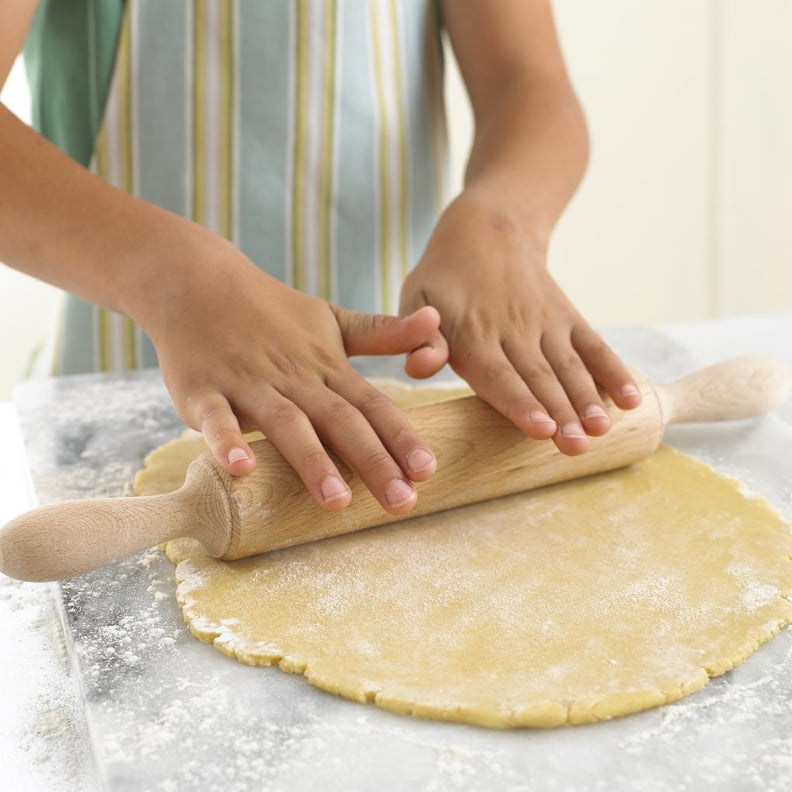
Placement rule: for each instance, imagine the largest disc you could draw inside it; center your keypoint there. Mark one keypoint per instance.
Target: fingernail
(540, 417)
(419, 459)
(399, 492)
(333, 489)
(630, 390)
(594, 411)
(572, 430)
(237, 454)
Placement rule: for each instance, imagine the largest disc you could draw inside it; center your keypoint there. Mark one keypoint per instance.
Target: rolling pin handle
(742, 387)
(62, 540)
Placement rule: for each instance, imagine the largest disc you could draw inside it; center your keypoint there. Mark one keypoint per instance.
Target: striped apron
(310, 133)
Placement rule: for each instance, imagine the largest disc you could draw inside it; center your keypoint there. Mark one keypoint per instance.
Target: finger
(392, 426)
(344, 429)
(493, 377)
(539, 376)
(288, 428)
(606, 367)
(428, 359)
(213, 417)
(578, 384)
(380, 334)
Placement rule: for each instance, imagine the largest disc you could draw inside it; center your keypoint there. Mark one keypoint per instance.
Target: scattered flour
(42, 728)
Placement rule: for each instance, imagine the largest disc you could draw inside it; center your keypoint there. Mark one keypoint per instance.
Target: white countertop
(40, 715)
(767, 334)
(41, 739)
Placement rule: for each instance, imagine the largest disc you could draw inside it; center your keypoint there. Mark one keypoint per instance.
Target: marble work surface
(162, 711)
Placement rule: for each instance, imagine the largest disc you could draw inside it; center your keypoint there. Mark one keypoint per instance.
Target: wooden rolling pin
(480, 455)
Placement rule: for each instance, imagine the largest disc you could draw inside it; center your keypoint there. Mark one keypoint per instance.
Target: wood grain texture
(480, 455)
(61, 540)
(738, 388)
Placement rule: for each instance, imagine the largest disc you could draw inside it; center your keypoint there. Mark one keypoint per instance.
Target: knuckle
(220, 435)
(402, 437)
(568, 364)
(286, 364)
(586, 398)
(597, 348)
(208, 413)
(219, 427)
(380, 321)
(498, 372)
(604, 361)
(314, 459)
(371, 400)
(520, 407)
(582, 392)
(342, 411)
(285, 414)
(326, 358)
(584, 337)
(376, 459)
(537, 371)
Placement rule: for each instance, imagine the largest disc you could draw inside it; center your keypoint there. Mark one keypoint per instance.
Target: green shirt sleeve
(69, 56)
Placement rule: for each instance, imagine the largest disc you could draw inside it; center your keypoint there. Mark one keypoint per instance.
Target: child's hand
(507, 328)
(240, 351)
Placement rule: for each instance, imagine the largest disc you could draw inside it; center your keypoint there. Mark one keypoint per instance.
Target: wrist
(178, 265)
(502, 210)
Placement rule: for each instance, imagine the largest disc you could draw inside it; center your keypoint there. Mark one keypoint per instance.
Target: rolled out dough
(565, 605)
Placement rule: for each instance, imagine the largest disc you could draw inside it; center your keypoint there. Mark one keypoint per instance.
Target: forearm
(531, 146)
(61, 224)
(529, 153)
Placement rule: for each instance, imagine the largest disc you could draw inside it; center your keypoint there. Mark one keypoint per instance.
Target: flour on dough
(565, 605)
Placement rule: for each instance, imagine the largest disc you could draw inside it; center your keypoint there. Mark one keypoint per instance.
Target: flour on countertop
(734, 731)
(42, 733)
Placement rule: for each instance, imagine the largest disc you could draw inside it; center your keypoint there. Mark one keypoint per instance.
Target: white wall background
(686, 212)
(687, 209)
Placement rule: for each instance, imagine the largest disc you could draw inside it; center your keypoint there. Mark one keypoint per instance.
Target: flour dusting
(45, 744)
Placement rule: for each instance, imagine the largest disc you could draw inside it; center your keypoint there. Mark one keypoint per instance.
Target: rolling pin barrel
(481, 455)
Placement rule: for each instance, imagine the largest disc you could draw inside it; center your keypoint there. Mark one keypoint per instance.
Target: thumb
(426, 360)
(380, 334)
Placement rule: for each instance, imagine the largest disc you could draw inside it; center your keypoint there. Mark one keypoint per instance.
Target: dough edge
(547, 714)
(189, 558)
